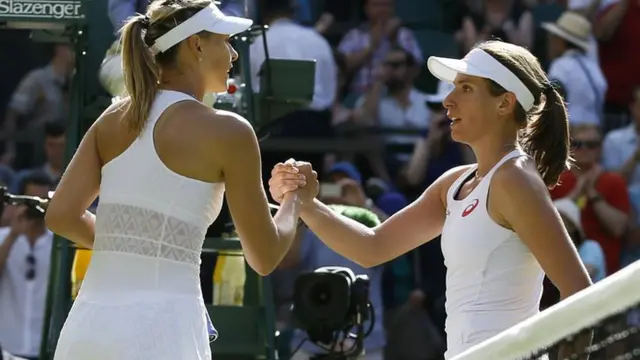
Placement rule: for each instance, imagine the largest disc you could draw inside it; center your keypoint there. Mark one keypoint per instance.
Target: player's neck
(187, 83)
(490, 152)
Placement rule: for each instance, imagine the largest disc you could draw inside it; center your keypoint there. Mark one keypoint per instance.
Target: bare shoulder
(211, 122)
(518, 176)
(222, 136)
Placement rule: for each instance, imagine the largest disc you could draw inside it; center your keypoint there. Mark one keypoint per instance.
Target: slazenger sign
(41, 9)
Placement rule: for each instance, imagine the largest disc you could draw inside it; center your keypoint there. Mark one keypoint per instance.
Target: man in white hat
(579, 74)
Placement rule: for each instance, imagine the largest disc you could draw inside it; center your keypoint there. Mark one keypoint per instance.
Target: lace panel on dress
(130, 229)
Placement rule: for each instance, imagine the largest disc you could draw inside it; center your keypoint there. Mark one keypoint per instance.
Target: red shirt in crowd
(613, 190)
(619, 55)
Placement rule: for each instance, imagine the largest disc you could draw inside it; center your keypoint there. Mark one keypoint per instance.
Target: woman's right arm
(414, 225)
(265, 240)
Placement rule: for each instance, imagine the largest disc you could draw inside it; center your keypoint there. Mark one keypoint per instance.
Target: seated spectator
(621, 147)
(25, 253)
(367, 45)
(40, 98)
(55, 143)
(590, 251)
(413, 311)
(310, 253)
(436, 152)
(509, 20)
(580, 75)
(601, 195)
(616, 28)
(350, 191)
(341, 113)
(393, 102)
(289, 40)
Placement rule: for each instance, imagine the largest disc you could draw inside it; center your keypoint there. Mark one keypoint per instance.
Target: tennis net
(600, 323)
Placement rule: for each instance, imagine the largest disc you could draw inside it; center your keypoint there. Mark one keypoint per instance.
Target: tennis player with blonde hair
(160, 161)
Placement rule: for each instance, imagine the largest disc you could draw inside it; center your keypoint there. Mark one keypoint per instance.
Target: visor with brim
(481, 64)
(209, 19)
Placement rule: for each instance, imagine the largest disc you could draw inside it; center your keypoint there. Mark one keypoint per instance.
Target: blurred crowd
(373, 93)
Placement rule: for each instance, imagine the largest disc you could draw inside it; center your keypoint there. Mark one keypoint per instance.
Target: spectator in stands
(509, 20)
(589, 9)
(289, 40)
(367, 45)
(601, 195)
(580, 75)
(341, 113)
(435, 153)
(309, 253)
(414, 314)
(621, 148)
(393, 102)
(120, 10)
(40, 98)
(590, 251)
(617, 28)
(621, 153)
(351, 191)
(55, 140)
(25, 251)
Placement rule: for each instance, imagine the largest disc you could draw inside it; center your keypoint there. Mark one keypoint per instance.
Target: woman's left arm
(67, 213)
(524, 205)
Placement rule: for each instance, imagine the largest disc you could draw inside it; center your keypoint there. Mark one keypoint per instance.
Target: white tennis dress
(493, 279)
(141, 297)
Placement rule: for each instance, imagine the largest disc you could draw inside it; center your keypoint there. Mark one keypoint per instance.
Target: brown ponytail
(140, 73)
(546, 138)
(544, 133)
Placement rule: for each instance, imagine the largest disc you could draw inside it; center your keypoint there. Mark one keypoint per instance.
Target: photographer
(309, 253)
(25, 251)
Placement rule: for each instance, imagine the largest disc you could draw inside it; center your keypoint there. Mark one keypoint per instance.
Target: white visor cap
(479, 63)
(209, 19)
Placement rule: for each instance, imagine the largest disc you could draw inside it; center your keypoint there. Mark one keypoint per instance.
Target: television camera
(329, 304)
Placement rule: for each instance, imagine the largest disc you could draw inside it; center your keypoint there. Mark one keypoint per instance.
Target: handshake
(294, 177)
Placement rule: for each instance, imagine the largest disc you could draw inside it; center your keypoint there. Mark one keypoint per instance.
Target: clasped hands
(294, 177)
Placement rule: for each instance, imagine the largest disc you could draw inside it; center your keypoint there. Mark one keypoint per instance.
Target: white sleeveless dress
(141, 297)
(493, 279)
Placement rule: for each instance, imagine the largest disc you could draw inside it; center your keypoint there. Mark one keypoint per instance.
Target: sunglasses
(395, 64)
(31, 267)
(587, 144)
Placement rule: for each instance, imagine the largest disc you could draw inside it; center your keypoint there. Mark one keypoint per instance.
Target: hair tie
(548, 86)
(145, 21)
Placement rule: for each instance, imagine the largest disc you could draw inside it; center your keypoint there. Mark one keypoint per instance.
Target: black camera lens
(320, 294)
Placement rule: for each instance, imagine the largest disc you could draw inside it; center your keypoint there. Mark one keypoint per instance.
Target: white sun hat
(571, 27)
(209, 19)
(479, 63)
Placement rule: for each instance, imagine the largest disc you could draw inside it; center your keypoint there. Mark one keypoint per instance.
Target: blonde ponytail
(141, 73)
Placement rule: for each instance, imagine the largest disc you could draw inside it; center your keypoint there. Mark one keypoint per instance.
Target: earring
(200, 59)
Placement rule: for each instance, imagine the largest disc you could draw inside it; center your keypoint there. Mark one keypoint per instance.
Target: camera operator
(308, 253)
(25, 251)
